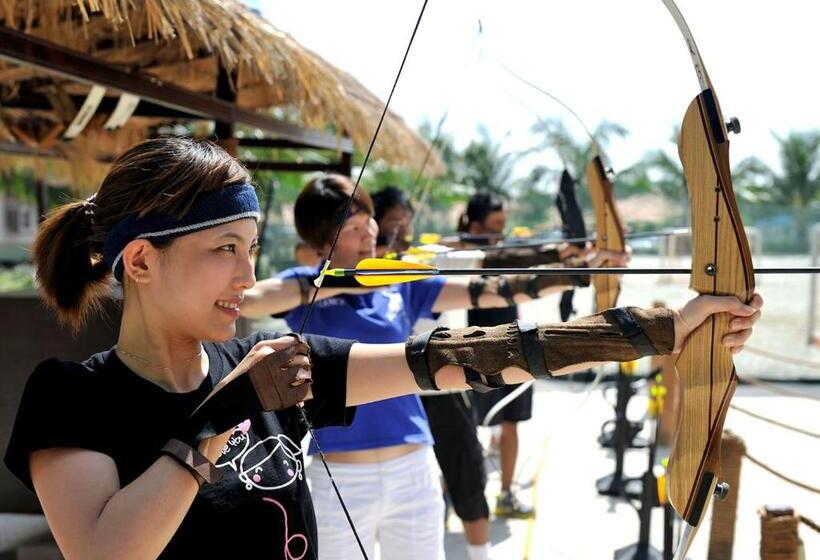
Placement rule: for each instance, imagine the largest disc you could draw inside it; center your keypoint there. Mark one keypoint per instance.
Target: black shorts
(518, 410)
(459, 453)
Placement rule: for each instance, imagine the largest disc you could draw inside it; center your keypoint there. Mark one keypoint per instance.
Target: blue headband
(210, 209)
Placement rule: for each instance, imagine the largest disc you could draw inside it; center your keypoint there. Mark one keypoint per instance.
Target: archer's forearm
(277, 295)
(377, 372)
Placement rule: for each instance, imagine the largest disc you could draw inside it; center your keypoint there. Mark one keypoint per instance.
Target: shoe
(507, 505)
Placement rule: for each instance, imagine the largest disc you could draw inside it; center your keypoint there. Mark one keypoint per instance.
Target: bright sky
(623, 61)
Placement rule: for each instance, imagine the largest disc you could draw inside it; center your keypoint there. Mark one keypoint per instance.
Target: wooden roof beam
(341, 166)
(25, 49)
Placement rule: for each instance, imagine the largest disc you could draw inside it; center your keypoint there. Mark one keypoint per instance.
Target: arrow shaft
(542, 271)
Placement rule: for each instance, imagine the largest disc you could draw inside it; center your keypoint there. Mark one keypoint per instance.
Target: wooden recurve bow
(609, 231)
(721, 265)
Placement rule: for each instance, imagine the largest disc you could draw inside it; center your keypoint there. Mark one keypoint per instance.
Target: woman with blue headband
(182, 441)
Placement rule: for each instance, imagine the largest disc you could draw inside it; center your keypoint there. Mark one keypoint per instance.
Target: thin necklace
(154, 364)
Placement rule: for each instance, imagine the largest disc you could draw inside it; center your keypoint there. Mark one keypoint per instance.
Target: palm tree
(661, 173)
(797, 187)
(575, 154)
(484, 166)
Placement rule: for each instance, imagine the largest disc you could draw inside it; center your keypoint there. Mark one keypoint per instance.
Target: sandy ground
(560, 460)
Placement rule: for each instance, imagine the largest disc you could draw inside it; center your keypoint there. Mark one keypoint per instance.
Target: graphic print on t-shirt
(395, 304)
(299, 538)
(268, 464)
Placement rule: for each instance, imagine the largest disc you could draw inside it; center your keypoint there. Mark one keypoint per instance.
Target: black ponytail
(69, 267)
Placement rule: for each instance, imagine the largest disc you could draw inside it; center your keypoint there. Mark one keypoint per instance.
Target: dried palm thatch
(183, 42)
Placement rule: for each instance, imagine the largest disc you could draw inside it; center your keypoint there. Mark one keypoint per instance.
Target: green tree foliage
(796, 187)
(576, 153)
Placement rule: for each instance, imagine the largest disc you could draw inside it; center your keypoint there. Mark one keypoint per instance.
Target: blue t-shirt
(379, 317)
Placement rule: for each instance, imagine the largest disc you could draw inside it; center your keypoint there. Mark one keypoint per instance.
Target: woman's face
(397, 227)
(357, 241)
(201, 278)
(495, 222)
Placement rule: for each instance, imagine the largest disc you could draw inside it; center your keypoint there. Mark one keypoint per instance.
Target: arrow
(375, 272)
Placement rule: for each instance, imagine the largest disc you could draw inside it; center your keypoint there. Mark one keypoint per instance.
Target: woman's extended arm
(279, 295)
(376, 372)
(502, 291)
(455, 294)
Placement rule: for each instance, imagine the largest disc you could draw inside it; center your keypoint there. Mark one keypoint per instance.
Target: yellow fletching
(414, 254)
(429, 238)
(386, 264)
(521, 231)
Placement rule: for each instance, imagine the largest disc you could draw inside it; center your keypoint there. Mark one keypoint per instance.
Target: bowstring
(326, 264)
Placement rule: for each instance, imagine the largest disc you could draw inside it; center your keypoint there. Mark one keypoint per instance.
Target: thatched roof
(183, 42)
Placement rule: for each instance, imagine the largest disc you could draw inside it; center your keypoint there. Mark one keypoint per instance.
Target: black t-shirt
(261, 505)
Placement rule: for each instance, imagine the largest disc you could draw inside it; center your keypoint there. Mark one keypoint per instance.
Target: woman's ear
(323, 251)
(138, 260)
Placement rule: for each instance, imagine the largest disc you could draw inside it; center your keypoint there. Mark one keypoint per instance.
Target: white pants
(397, 503)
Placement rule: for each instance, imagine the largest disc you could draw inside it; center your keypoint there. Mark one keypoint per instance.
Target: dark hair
(387, 198)
(479, 207)
(322, 204)
(160, 174)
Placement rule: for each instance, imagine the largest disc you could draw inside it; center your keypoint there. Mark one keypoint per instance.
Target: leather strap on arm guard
(484, 352)
(529, 284)
(632, 330)
(523, 257)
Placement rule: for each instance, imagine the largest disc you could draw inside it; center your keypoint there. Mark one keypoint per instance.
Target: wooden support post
(779, 539)
(724, 512)
(346, 164)
(41, 192)
(224, 131)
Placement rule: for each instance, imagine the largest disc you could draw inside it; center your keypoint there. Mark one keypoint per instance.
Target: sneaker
(507, 505)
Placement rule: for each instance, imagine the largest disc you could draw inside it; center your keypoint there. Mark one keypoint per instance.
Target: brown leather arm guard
(616, 335)
(523, 257)
(529, 284)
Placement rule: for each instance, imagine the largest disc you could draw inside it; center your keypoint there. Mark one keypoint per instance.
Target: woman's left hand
(697, 310)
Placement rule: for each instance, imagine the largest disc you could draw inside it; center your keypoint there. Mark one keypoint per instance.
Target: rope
(781, 476)
(783, 357)
(810, 523)
(774, 388)
(775, 422)
(724, 512)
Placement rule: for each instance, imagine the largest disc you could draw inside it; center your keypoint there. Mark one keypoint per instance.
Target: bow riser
(608, 231)
(721, 265)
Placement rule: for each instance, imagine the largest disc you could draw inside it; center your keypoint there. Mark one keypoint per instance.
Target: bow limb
(573, 226)
(609, 231)
(721, 265)
(572, 218)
